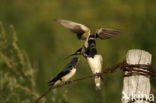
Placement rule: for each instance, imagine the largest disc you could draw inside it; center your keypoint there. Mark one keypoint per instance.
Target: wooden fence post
(136, 87)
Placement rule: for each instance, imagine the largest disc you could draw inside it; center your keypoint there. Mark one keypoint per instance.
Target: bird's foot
(67, 82)
(98, 74)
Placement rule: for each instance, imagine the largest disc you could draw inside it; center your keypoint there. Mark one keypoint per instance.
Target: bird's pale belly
(69, 75)
(95, 64)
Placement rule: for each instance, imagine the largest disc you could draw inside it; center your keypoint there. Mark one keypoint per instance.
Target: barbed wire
(121, 65)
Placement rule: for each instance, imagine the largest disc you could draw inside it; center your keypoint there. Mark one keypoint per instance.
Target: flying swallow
(83, 33)
(66, 73)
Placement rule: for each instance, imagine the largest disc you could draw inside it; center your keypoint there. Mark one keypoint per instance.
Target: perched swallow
(83, 33)
(95, 62)
(66, 73)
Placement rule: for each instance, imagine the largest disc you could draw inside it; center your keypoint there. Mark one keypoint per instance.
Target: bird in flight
(66, 73)
(88, 50)
(83, 33)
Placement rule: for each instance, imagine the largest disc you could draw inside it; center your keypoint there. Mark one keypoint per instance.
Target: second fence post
(136, 87)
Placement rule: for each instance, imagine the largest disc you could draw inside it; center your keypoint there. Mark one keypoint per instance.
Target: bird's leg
(67, 82)
(98, 74)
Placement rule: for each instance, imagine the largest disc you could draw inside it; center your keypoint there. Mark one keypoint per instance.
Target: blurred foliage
(47, 43)
(16, 74)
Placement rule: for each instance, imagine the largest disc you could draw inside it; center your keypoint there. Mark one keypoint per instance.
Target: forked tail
(98, 80)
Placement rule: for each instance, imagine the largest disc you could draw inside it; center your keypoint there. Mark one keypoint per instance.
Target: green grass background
(47, 43)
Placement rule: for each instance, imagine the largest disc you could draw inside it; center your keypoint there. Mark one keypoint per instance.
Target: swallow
(95, 62)
(65, 74)
(83, 33)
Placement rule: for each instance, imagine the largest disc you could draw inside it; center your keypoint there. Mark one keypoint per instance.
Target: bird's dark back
(71, 64)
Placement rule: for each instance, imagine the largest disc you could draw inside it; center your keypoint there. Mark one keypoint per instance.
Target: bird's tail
(98, 80)
(51, 83)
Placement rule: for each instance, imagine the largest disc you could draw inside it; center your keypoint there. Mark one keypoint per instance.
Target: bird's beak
(78, 52)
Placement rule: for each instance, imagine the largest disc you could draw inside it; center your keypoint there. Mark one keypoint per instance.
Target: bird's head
(74, 61)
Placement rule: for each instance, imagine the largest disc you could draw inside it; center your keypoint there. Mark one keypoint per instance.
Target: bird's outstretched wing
(82, 31)
(106, 33)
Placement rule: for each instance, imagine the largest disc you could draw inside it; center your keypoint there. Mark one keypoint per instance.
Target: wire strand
(106, 71)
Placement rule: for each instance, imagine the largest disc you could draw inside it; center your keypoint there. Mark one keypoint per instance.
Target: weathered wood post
(136, 87)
